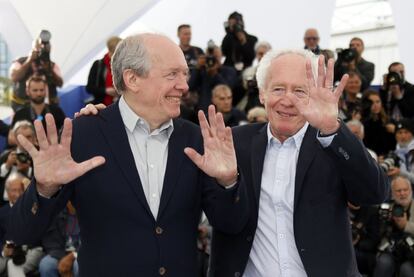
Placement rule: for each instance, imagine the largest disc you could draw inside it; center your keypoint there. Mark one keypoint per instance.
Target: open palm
(219, 159)
(321, 109)
(53, 163)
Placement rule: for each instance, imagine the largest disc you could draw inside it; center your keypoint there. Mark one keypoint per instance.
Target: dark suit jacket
(119, 234)
(326, 178)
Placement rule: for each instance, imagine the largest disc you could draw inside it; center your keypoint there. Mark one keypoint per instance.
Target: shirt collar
(131, 120)
(297, 138)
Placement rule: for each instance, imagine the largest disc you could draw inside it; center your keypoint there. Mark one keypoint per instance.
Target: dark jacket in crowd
(405, 104)
(364, 69)
(235, 52)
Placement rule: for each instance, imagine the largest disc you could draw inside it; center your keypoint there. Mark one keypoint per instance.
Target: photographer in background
(351, 60)
(397, 244)
(397, 94)
(21, 259)
(210, 73)
(404, 152)
(37, 63)
(311, 40)
(191, 53)
(237, 45)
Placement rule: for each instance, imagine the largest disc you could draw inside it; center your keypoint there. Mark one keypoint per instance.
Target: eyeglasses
(312, 38)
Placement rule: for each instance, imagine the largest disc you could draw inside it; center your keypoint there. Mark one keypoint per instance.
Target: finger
(85, 166)
(27, 145)
(66, 137)
(321, 71)
(212, 119)
(41, 135)
(329, 74)
(51, 129)
(100, 107)
(229, 135)
(340, 88)
(77, 114)
(221, 128)
(309, 74)
(194, 156)
(205, 132)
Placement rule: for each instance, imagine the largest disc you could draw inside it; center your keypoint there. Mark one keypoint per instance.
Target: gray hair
(262, 44)
(25, 124)
(356, 123)
(130, 53)
(405, 179)
(264, 65)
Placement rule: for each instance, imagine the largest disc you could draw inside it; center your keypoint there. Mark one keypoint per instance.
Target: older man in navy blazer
(134, 172)
(300, 169)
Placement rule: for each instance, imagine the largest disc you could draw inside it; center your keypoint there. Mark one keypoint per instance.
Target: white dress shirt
(274, 251)
(150, 151)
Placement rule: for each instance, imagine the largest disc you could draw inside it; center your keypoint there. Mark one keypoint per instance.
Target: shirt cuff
(325, 141)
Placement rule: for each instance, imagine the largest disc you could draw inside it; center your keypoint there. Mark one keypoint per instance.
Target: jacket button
(159, 230)
(249, 238)
(34, 208)
(162, 271)
(237, 274)
(237, 199)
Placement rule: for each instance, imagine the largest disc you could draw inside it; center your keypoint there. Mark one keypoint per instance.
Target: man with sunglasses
(311, 40)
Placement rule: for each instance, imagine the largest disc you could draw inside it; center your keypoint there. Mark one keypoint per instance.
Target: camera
(390, 160)
(23, 157)
(346, 55)
(388, 210)
(19, 253)
(394, 78)
(210, 58)
(44, 51)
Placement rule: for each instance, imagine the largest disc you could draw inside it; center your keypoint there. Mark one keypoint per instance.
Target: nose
(182, 84)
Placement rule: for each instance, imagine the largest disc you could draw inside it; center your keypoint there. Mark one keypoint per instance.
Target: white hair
(264, 65)
(356, 123)
(265, 44)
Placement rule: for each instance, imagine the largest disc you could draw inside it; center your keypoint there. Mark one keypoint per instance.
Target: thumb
(88, 165)
(196, 158)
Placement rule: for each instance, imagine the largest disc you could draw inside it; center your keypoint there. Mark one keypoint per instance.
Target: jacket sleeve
(32, 214)
(226, 208)
(365, 182)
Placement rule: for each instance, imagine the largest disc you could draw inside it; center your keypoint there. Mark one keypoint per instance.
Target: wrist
(330, 130)
(46, 191)
(228, 181)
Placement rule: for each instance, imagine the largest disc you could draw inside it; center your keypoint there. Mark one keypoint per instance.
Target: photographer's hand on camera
(8, 250)
(11, 160)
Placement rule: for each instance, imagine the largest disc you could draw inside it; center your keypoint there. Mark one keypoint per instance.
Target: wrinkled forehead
(287, 68)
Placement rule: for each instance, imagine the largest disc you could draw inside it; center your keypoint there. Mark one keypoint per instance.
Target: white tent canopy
(80, 28)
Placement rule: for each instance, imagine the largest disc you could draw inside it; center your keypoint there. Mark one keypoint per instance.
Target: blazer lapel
(113, 129)
(258, 150)
(176, 145)
(306, 155)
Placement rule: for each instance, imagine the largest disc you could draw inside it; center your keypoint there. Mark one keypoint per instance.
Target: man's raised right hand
(53, 163)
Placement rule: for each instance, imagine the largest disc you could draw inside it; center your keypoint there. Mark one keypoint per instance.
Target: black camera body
(44, 51)
(346, 55)
(390, 160)
(23, 157)
(394, 78)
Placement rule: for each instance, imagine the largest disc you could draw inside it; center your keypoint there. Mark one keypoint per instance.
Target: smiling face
(157, 97)
(286, 74)
(401, 191)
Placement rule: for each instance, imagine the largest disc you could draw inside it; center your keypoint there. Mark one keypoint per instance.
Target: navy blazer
(326, 178)
(120, 236)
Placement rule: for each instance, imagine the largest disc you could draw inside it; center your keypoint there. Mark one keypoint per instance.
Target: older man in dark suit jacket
(300, 169)
(140, 206)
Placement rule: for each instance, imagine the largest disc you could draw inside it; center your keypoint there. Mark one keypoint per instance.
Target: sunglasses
(312, 38)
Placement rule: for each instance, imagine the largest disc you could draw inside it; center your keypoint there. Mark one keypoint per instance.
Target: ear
(262, 97)
(131, 80)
